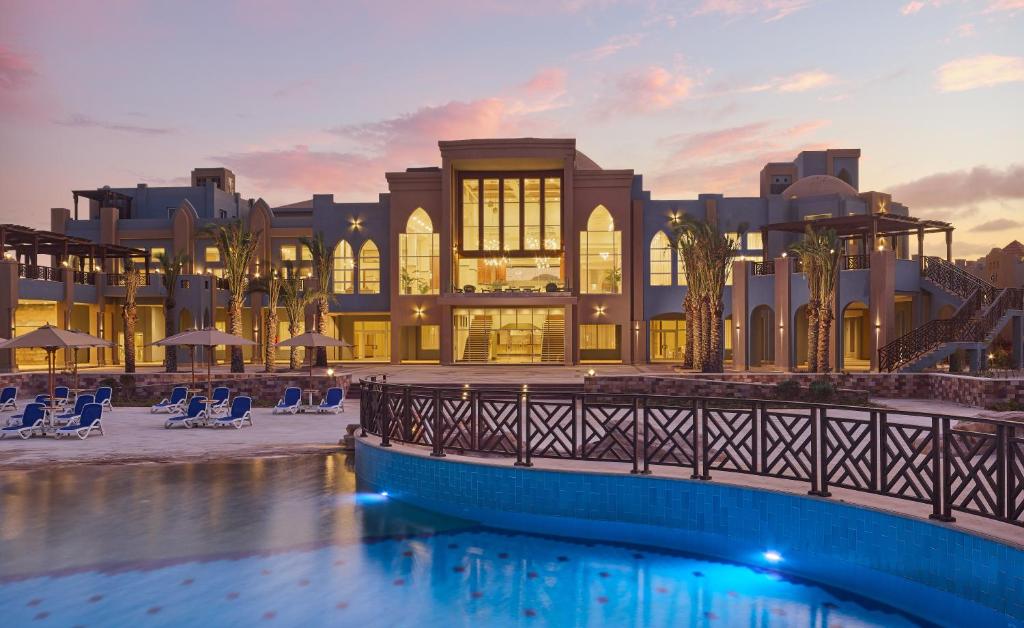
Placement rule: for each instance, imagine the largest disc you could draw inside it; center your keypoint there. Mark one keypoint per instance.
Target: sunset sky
(324, 97)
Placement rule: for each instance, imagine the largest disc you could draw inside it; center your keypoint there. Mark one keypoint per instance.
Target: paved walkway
(135, 435)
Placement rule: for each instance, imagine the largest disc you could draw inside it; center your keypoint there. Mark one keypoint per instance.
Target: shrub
(787, 389)
(821, 390)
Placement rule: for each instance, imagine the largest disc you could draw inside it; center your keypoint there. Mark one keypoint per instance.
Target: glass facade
(418, 249)
(600, 255)
(518, 213)
(509, 335)
(668, 339)
(342, 266)
(661, 260)
(369, 268)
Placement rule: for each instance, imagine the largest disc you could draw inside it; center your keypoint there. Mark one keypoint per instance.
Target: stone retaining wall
(971, 391)
(147, 388)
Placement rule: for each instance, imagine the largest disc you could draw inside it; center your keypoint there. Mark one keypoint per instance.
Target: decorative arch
(342, 268)
(762, 335)
(418, 255)
(369, 268)
(419, 222)
(661, 260)
(855, 336)
(600, 254)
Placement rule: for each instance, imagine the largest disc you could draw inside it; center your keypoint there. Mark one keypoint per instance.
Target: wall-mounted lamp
(418, 310)
(599, 310)
(636, 326)
(991, 356)
(330, 372)
(674, 217)
(357, 224)
(591, 372)
(784, 254)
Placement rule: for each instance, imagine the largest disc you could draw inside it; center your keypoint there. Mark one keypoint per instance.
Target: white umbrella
(209, 338)
(310, 340)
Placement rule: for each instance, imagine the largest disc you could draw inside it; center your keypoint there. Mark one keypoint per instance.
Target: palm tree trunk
(322, 312)
(235, 325)
(293, 354)
(268, 345)
(688, 311)
(130, 315)
(824, 339)
(716, 348)
(695, 328)
(707, 363)
(812, 335)
(170, 353)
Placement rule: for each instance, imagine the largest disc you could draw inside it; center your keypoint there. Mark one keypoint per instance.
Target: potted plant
(407, 280)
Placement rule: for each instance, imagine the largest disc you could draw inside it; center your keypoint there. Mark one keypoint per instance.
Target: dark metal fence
(916, 457)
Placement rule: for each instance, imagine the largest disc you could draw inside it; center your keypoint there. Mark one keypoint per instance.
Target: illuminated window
(418, 248)
(680, 269)
(342, 267)
(755, 241)
(817, 216)
(306, 254)
(211, 254)
(603, 337)
(510, 213)
(156, 252)
(369, 268)
(600, 255)
(288, 253)
(430, 337)
(661, 260)
(739, 258)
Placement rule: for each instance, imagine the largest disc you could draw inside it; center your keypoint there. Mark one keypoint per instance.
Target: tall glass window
(418, 248)
(661, 260)
(342, 269)
(600, 255)
(511, 213)
(369, 268)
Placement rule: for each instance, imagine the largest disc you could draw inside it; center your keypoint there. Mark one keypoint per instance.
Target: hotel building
(510, 251)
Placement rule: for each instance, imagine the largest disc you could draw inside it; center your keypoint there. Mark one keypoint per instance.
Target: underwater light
(383, 493)
(772, 556)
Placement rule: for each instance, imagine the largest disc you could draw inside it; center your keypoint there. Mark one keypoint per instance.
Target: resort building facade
(511, 251)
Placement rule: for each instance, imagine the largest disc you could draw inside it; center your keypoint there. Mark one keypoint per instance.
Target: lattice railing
(904, 455)
(952, 278)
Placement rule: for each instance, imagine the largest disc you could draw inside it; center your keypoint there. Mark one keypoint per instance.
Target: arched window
(342, 266)
(418, 248)
(661, 260)
(369, 268)
(600, 254)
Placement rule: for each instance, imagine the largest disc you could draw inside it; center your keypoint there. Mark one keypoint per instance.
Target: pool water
(289, 542)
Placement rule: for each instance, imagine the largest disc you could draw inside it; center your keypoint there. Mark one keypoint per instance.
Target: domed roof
(819, 185)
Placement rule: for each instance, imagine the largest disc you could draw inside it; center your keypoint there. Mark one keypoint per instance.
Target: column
(882, 301)
(920, 249)
(1017, 351)
(783, 316)
(740, 315)
(8, 304)
(949, 246)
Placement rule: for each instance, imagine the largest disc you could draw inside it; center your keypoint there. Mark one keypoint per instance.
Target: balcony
(41, 273)
(508, 296)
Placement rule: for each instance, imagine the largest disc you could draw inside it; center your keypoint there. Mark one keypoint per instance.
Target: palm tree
(130, 312)
(707, 257)
(294, 300)
(321, 256)
(270, 286)
(237, 245)
(819, 255)
(170, 268)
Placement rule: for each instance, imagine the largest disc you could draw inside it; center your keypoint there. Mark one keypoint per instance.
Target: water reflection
(65, 518)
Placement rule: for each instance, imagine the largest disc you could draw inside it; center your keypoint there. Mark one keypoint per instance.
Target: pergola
(868, 228)
(27, 244)
(106, 198)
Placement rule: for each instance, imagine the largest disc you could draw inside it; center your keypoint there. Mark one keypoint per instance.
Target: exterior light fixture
(784, 254)
(991, 356)
(591, 372)
(256, 274)
(330, 372)
(357, 223)
(599, 310)
(418, 311)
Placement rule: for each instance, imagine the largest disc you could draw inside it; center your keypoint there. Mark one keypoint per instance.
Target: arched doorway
(800, 330)
(762, 336)
(668, 337)
(856, 337)
(728, 333)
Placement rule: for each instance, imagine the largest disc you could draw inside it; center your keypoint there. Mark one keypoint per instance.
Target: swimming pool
(289, 541)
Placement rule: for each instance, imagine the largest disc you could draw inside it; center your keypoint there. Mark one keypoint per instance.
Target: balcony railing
(85, 278)
(762, 268)
(931, 458)
(42, 273)
(855, 262)
(117, 279)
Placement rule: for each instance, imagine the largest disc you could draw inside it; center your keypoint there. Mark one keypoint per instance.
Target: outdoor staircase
(552, 348)
(984, 313)
(478, 345)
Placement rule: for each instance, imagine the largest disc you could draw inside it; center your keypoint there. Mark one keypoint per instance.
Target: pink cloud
(728, 160)
(979, 71)
(613, 46)
(299, 170)
(15, 70)
(962, 187)
(911, 8)
(772, 9)
(645, 90)
(82, 121)
(1001, 6)
(546, 82)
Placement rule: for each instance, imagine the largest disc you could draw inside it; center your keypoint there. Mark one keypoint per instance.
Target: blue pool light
(772, 556)
(383, 493)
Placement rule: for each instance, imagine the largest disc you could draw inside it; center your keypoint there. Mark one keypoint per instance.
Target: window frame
(502, 176)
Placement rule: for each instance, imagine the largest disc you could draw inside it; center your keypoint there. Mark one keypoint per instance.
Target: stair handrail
(1007, 299)
(925, 338)
(952, 278)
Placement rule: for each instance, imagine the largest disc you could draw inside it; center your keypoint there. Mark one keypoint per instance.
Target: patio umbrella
(50, 338)
(192, 352)
(311, 340)
(91, 341)
(209, 338)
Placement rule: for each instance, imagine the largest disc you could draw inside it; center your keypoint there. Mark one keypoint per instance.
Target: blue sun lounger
(175, 404)
(90, 420)
(290, 402)
(241, 411)
(334, 401)
(194, 415)
(9, 398)
(75, 412)
(31, 421)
